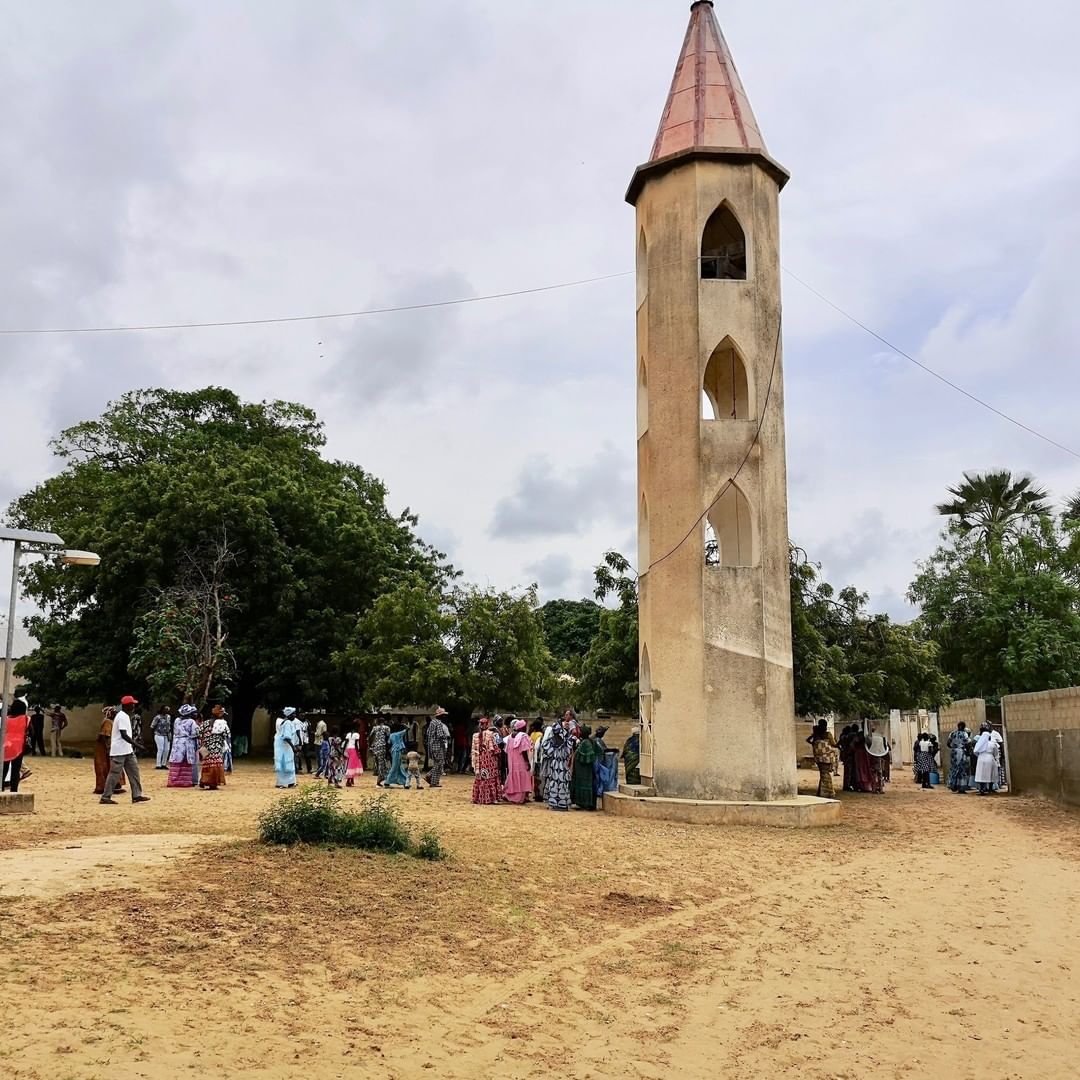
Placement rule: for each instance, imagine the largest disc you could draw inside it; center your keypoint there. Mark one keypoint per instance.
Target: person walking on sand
(519, 759)
(380, 749)
(558, 752)
(354, 767)
(285, 740)
(161, 726)
(825, 757)
(37, 732)
(122, 754)
(212, 772)
(878, 748)
(437, 739)
(986, 770)
(336, 763)
(486, 788)
(926, 748)
(183, 757)
(102, 748)
(322, 748)
(57, 722)
(412, 770)
(959, 744)
(18, 724)
(396, 776)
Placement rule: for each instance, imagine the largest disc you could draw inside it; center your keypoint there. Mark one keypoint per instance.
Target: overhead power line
(459, 301)
(929, 370)
(312, 318)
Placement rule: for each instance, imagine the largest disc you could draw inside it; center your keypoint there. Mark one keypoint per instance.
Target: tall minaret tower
(717, 696)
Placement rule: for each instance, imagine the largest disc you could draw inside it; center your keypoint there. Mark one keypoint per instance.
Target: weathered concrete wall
(971, 710)
(1043, 731)
(718, 638)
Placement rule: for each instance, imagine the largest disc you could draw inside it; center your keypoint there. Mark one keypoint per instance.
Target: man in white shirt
(122, 755)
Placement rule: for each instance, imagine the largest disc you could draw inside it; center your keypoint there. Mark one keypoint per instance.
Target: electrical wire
(929, 370)
(742, 464)
(313, 318)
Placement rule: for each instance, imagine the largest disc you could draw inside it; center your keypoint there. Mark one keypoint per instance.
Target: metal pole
(9, 649)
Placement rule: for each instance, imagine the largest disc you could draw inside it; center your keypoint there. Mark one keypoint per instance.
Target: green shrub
(375, 827)
(314, 816)
(430, 847)
(309, 817)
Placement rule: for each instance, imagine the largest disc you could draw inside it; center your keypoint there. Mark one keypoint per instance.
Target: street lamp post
(28, 542)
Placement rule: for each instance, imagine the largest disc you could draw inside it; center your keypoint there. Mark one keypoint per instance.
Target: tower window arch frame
(725, 246)
(642, 397)
(727, 387)
(731, 532)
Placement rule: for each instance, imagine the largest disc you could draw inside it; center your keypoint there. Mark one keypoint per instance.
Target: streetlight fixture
(28, 542)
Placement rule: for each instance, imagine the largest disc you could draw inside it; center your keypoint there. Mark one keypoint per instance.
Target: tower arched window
(726, 389)
(723, 247)
(642, 398)
(730, 536)
(642, 269)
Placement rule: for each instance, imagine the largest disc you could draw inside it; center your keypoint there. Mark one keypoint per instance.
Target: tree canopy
(1007, 621)
(569, 628)
(146, 483)
(992, 506)
(609, 677)
(460, 647)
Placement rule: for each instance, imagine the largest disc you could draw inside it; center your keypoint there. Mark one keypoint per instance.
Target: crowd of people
(865, 754)
(562, 763)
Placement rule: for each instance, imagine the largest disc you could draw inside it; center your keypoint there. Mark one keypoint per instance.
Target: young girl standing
(354, 767)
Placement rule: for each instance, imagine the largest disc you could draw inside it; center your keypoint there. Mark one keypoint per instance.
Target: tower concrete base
(802, 812)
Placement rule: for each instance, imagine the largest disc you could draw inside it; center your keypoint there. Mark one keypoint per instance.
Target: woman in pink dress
(486, 788)
(354, 767)
(519, 756)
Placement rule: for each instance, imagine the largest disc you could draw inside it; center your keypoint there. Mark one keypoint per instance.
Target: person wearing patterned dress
(825, 757)
(519, 756)
(379, 738)
(213, 734)
(926, 748)
(334, 769)
(959, 743)
(558, 751)
(183, 757)
(437, 738)
(485, 762)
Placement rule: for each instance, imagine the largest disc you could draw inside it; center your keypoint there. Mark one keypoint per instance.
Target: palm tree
(993, 504)
(1072, 509)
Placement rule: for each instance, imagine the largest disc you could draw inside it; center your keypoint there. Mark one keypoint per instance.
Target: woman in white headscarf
(985, 761)
(286, 741)
(184, 756)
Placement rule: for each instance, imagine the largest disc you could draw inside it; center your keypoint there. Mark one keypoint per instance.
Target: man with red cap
(122, 755)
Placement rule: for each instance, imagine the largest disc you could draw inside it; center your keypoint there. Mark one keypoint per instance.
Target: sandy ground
(929, 935)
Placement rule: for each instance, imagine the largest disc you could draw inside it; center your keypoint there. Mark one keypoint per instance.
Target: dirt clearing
(929, 935)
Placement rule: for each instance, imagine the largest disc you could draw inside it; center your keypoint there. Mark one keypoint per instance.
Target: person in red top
(14, 745)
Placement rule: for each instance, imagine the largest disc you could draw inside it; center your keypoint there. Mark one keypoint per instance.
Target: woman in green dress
(582, 782)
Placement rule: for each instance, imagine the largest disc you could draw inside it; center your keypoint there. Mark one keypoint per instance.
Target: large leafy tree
(851, 662)
(993, 506)
(1009, 623)
(460, 647)
(147, 482)
(609, 677)
(569, 627)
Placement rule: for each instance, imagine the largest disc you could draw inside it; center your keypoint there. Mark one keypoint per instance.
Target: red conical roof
(707, 113)
(707, 106)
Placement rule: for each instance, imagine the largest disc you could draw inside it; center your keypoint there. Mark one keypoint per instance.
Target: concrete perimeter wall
(971, 710)
(1044, 743)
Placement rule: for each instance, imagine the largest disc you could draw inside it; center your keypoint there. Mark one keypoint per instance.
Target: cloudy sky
(165, 162)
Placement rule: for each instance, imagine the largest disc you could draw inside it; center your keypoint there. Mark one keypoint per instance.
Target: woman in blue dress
(286, 740)
(396, 776)
(959, 749)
